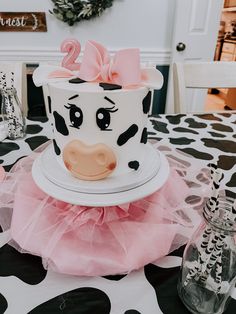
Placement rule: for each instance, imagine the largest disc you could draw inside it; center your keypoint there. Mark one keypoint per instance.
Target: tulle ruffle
(91, 241)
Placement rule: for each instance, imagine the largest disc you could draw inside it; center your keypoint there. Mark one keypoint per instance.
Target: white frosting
(90, 99)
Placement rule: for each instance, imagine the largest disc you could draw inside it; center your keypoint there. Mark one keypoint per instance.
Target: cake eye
(103, 118)
(76, 116)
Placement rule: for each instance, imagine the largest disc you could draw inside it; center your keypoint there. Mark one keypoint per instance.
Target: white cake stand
(54, 181)
(58, 174)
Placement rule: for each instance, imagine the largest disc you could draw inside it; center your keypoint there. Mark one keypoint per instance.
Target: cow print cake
(100, 127)
(98, 132)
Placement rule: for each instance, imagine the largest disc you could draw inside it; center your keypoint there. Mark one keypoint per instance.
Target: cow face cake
(99, 113)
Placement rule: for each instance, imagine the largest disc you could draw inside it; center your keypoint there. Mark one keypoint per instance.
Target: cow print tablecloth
(25, 287)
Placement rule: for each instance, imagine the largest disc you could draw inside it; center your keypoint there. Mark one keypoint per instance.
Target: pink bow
(97, 65)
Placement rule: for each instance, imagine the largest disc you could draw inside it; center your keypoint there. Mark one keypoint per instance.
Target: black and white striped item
(11, 110)
(209, 271)
(224, 241)
(6, 108)
(3, 82)
(214, 241)
(210, 243)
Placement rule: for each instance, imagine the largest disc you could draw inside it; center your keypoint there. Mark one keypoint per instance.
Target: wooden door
(194, 38)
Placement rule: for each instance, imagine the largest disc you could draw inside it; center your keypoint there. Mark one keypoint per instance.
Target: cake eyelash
(112, 109)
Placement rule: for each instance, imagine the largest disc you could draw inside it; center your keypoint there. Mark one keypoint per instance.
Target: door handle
(180, 47)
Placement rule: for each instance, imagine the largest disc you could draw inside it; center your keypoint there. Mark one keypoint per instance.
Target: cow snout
(89, 162)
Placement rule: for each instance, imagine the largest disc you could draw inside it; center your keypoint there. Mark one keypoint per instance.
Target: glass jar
(12, 114)
(208, 272)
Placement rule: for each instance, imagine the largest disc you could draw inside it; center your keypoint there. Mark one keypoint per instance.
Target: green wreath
(72, 11)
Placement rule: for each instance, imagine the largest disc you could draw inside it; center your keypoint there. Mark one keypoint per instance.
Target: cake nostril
(101, 159)
(111, 166)
(68, 165)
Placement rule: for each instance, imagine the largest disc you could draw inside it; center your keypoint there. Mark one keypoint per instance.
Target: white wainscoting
(29, 55)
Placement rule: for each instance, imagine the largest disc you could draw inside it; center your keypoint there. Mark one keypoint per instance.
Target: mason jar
(208, 271)
(12, 114)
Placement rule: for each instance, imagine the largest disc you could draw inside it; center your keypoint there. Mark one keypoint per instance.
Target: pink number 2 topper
(73, 48)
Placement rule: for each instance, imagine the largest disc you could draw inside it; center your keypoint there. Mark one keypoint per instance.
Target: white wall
(146, 24)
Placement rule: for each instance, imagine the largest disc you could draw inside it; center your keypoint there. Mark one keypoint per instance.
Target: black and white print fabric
(26, 287)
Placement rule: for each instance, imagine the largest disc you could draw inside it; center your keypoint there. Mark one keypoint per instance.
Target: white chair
(20, 80)
(201, 75)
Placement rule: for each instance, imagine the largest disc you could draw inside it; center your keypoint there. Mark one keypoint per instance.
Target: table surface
(26, 287)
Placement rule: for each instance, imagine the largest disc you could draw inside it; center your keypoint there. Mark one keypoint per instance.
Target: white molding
(148, 57)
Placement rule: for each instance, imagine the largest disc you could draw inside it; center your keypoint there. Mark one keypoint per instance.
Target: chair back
(202, 75)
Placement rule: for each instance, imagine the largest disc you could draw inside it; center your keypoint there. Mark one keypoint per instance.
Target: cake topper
(98, 66)
(72, 47)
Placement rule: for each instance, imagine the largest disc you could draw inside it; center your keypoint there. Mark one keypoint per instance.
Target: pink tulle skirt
(92, 241)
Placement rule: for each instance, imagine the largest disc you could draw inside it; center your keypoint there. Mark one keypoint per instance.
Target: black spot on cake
(232, 181)
(49, 104)
(36, 141)
(194, 124)
(128, 134)
(185, 130)
(79, 301)
(226, 162)
(144, 136)
(33, 129)
(134, 164)
(214, 134)
(56, 148)
(114, 277)
(221, 127)
(107, 86)
(160, 126)
(26, 267)
(147, 102)
(132, 312)
(208, 116)
(7, 147)
(164, 281)
(196, 153)
(60, 124)
(223, 145)
(3, 304)
(176, 119)
(181, 141)
(76, 81)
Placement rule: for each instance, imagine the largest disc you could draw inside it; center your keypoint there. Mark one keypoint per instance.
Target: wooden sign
(23, 22)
